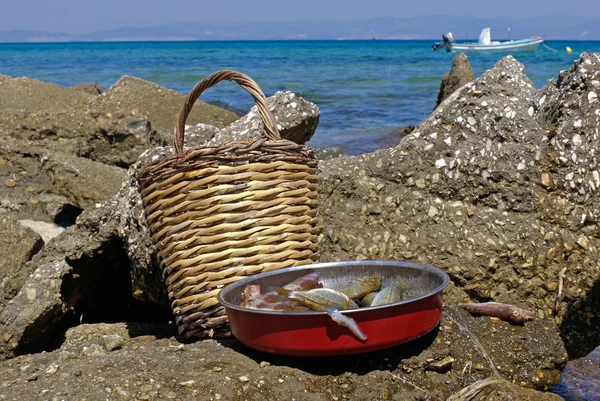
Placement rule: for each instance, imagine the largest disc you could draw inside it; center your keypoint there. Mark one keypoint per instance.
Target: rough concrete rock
(113, 128)
(146, 275)
(580, 379)
(161, 104)
(84, 182)
(199, 135)
(83, 271)
(49, 186)
(18, 244)
(30, 95)
(92, 89)
(511, 392)
(45, 230)
(459, 75)
(466, 192)
(167, 369)
(296, 119)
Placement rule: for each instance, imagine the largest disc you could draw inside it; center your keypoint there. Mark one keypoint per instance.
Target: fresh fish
(252, 298)
(389, 294)
(346, 321)
(320, 299)
(249, 293)
(508, 313)
(360, 287)
(299, 308)
(367, 300)
(272, 306)
(304, 283)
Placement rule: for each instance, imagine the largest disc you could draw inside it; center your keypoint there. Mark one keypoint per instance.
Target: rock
(199, 134)
(84, 182)
(52, 186)
(296, 119)
(45, 230)
(32, 96)
(18, 244)
(81, 275)
(161, 104)
(463, 192)
(193, 370)
(512, 392)
(459, 75)
(92, 89)
(148, 284)
(113, 128)
(580, 379)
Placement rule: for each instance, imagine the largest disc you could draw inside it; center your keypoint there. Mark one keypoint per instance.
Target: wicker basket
(219, 214)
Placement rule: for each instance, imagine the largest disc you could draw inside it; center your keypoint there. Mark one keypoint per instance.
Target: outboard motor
(446, 41)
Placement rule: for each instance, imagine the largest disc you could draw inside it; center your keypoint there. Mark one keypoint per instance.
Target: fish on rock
(319, 299)
(508, 313)
(360, 287)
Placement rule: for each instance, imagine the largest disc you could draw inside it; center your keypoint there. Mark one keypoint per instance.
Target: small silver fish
(304, 283)
(320, 299)
(367, 300)
(389, 294)
(360, 287)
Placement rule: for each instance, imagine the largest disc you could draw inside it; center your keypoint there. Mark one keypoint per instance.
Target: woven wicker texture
(219, 214)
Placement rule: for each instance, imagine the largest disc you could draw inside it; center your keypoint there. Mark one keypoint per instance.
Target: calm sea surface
(365, 89)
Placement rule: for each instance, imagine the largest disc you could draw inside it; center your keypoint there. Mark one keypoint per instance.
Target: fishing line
(549, 48)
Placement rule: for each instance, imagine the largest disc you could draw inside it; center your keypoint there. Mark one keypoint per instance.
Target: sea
(366, 90)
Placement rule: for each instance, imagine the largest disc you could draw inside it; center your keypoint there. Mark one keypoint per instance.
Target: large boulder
(296, 120)
(460, 74)
(47, 185)
(568, 110)
(469, 191)
(462, 351)
(160, 104)
(80, 276)
(113, 127)
(18, 244)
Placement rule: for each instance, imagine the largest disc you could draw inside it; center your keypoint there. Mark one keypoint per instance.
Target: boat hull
(520, 46)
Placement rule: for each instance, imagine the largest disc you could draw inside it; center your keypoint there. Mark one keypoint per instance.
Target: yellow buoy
(569, 49)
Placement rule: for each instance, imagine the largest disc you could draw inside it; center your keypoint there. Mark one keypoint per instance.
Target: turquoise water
(365, 89)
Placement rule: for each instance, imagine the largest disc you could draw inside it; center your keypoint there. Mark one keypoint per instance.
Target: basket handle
(245, 82)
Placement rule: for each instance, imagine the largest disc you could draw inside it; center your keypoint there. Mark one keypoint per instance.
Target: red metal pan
(315, 334)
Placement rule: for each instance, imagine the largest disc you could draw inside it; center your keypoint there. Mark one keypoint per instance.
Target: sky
(85, 16)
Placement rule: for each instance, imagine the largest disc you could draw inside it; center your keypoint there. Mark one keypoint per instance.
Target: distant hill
(552, 27)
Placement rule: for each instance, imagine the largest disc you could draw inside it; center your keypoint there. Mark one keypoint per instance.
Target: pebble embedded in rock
(112, 342)
(443, 365)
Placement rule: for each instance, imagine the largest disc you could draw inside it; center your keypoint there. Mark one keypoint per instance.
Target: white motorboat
(485, 44)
